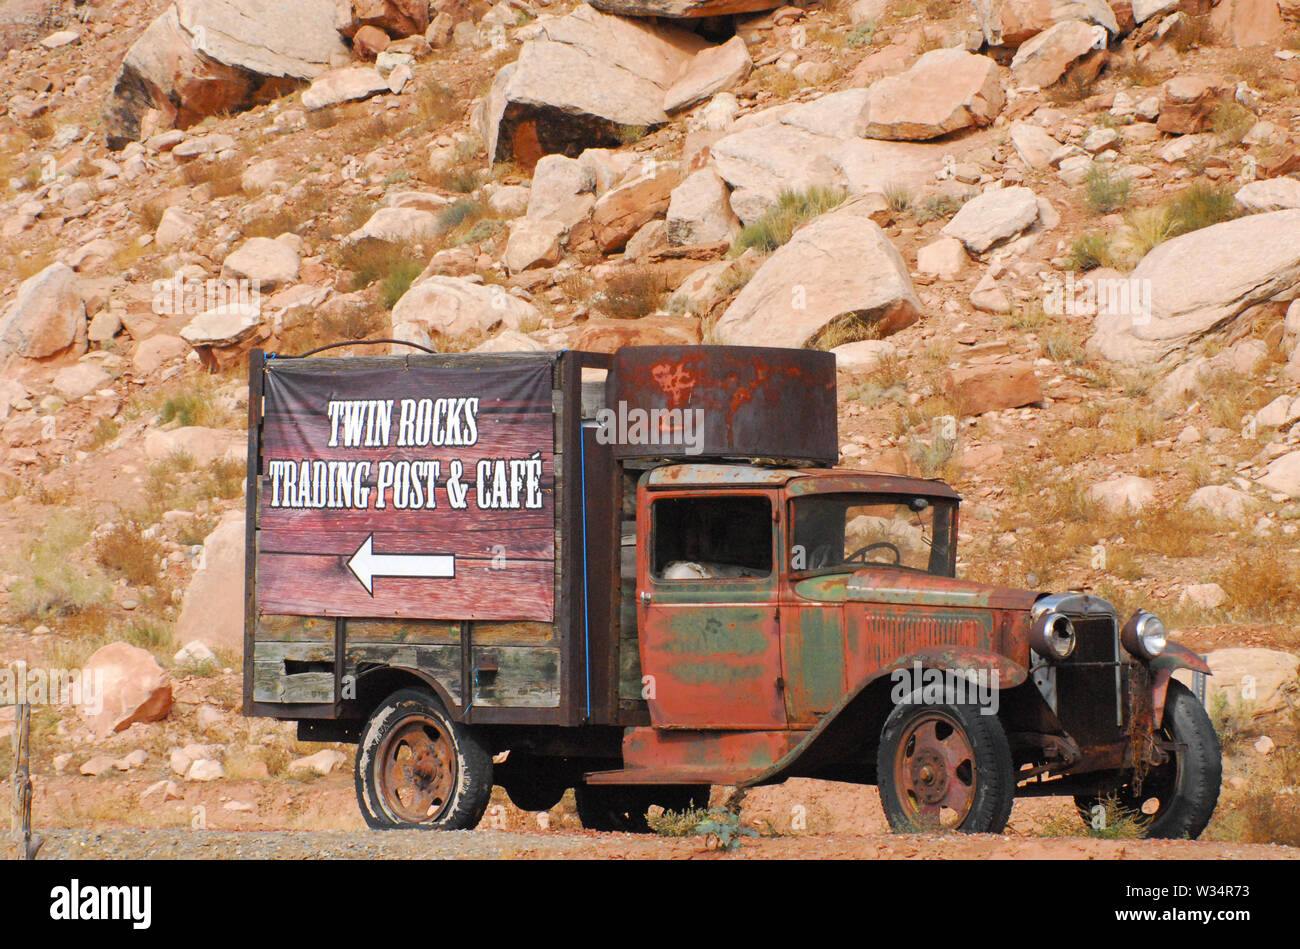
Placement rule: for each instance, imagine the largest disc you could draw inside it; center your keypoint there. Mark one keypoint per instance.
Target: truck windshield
(834, 532)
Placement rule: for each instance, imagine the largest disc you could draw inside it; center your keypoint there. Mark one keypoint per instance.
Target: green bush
(779, 222)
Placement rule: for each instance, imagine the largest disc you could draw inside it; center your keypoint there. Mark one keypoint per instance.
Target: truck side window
(711, 538)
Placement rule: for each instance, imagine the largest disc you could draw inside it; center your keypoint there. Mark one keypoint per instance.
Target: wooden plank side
(441, 663)
(308, 687)
(432, 632)
(298, 652)
(525, 677)
(513, 634)
(273, 628)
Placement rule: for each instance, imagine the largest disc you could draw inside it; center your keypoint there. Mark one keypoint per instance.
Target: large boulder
(396, 18)
(1271, 194)
(451, 307)
(1123, 493)
(1034, 145)
(1071, 46)
(46, 317)
(992, 385)
(945, 90)
(534, 242)
(267, 262)
(1246, 23)
(840, 267)
(699, 211)
(202, 57)
(209, 613)
(563, 190)
(580, 81)
(1251, 679)
(349, 84)
(132, 688)
(608, 336)
(1009, 23)
(620, 212)
(761, 162)
(1282, 476)
(992, 217)
(712, 70)
(1201, 282)
(1188, 101)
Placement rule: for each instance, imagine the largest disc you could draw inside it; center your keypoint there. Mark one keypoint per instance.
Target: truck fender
(1162, 668)
(1007, 674)
(422, 677)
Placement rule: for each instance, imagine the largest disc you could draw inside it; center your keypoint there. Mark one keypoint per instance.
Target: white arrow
(366, 565)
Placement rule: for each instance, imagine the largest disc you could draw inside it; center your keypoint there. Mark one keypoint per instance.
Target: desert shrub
(127, 551)
(936, 207)
(779, 222)
(401, 274)
(1089, 251)
(1202, 205)
(633, 293)
(436, 104)
(1104, 190)
(53, 583)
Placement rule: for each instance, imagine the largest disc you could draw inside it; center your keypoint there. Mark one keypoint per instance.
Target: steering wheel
(861, 552)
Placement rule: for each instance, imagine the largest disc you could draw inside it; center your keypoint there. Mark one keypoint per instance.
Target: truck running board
(660, 756)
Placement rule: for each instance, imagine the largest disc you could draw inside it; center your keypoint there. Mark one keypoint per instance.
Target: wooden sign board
(421, 493)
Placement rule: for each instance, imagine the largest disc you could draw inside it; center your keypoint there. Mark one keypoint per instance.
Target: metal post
(21, 820)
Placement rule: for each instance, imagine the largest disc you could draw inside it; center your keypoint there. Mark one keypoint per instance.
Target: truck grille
(1089, 686)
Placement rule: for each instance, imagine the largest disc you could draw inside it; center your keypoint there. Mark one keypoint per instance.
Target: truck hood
(886, 585)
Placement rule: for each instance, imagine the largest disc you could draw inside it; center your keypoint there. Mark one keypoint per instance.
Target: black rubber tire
(471, 783)
(623, 807)
(1193, 776)
(992, 772)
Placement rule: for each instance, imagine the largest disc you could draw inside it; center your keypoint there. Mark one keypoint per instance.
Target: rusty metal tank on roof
(745, 402)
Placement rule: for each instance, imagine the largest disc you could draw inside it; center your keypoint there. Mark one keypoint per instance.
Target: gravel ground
(483, 844)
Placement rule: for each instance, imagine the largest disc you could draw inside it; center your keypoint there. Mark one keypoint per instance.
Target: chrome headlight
(1052, 635)
(1144, 635)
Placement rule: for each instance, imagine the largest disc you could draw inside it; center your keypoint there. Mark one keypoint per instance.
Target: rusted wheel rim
(934, 772)
(416, 766)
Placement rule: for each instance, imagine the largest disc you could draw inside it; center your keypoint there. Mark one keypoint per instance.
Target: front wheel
(1178, 797)
(419, 769)
(945, 767)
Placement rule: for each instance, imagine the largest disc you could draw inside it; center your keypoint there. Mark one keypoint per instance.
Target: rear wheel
(1178, 797)
(417, 768)
(945, 767)
(623, 807)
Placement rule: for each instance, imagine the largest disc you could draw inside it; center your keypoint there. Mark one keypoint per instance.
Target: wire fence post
(20, 823)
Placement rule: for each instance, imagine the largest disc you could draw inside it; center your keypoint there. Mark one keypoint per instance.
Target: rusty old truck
(640, 575)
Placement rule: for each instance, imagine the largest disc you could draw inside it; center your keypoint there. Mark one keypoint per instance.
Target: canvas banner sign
(421, 492)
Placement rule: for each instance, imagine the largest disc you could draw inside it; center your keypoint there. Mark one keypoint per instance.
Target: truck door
(707, 609)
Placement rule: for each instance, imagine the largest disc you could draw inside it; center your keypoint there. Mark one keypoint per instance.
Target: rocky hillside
(1053, 243)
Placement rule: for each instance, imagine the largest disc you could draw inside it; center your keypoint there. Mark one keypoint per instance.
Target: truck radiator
(1090, 686)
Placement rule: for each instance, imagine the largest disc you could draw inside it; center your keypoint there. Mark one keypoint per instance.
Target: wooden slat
(437, 632)
(526, 677)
